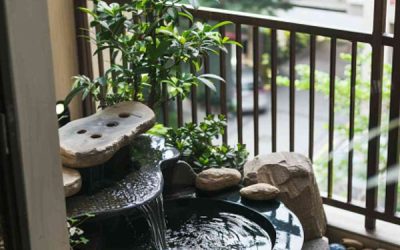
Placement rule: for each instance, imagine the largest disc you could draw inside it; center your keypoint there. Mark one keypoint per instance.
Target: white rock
(260, 191)
(293, 174)
(215, 179)
(72, 181)
(95, 139)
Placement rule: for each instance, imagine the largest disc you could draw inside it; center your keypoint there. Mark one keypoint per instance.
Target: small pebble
(351, 243)
(336, 246)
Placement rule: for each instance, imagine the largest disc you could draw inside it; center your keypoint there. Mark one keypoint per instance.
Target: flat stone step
(72, 181)
(93, 140)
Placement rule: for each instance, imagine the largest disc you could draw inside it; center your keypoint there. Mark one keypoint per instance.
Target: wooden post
(27, 93)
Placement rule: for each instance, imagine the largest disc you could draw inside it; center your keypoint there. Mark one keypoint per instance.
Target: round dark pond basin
(214, 224)
(192, 223)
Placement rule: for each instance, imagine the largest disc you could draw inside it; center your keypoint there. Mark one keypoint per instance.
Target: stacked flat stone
(93, 140)
(72, 181)
(293, 175)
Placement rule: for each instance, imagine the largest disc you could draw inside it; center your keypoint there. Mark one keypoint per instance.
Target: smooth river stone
(93, 140)
(259, 192)
(215, 179)
(72, 181)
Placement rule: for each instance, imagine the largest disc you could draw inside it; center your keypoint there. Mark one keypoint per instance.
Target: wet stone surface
(141, 184)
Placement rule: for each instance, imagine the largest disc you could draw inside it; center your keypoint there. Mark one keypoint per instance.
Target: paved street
(301, 124)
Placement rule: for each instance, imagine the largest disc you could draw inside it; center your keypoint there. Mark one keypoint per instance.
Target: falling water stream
(154, 213)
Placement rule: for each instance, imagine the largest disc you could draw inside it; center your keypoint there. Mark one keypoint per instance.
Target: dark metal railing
(377, 39)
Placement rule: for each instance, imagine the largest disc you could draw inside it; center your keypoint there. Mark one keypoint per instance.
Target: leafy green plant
(76, 234)
(147, 52)
(197, 145)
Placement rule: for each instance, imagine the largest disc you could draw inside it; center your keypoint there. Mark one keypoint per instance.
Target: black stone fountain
(125, 195)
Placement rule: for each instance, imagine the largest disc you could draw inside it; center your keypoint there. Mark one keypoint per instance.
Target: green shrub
(197, 144)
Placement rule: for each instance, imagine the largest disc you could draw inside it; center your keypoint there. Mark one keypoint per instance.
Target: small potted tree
(147, 53)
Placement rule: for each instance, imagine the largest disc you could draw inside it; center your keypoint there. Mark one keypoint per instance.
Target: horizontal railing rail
(377, 39)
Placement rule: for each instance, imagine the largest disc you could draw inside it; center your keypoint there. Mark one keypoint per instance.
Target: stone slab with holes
(95, 139)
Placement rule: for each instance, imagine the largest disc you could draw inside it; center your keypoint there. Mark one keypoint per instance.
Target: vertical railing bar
(312, 97)
(179, 110)
(206, 59)
(207, 90)
(84, 52)
(392, 171)
(239, 52)
(165, 110)
(256, 68)
(179, 107)
(193, 93)
(353, 79)
(103, 89)
(332, 76)
(292, 89)
(113, 76)
(274, 67)
(375, 109)
(179, 104)
(222, 68)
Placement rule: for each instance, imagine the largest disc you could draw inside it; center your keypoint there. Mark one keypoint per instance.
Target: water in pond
(194, 228)
(195, 224)
(217, 230)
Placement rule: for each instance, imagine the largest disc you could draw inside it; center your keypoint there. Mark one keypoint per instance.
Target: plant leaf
(220, 24)
(183, 14)
(73, 93)
(208, 83)
(213, 76)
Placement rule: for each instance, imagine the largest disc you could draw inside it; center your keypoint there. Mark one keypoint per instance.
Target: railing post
(256, 71)
(239, 110)
(375, 108)
(332, 83)
(393, 141)
(84, 52)
(222, 70)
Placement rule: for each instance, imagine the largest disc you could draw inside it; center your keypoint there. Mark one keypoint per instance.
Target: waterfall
(154, 213)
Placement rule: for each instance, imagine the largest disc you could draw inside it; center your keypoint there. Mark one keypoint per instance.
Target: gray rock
(316, 244)
(95, 139)
(178, 176)
(260, 191)
(215, 179)
(293, 174)
(72, 181)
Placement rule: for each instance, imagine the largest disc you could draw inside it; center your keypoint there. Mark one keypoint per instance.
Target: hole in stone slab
(112, 124)
(95, 136)
(124, 115)
(82, 131)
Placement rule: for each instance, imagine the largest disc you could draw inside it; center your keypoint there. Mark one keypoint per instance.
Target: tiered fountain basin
(124, 189)
(235, 223)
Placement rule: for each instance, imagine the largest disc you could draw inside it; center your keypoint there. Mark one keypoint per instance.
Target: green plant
(148, 51)
(76, 237)
(196, 144)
